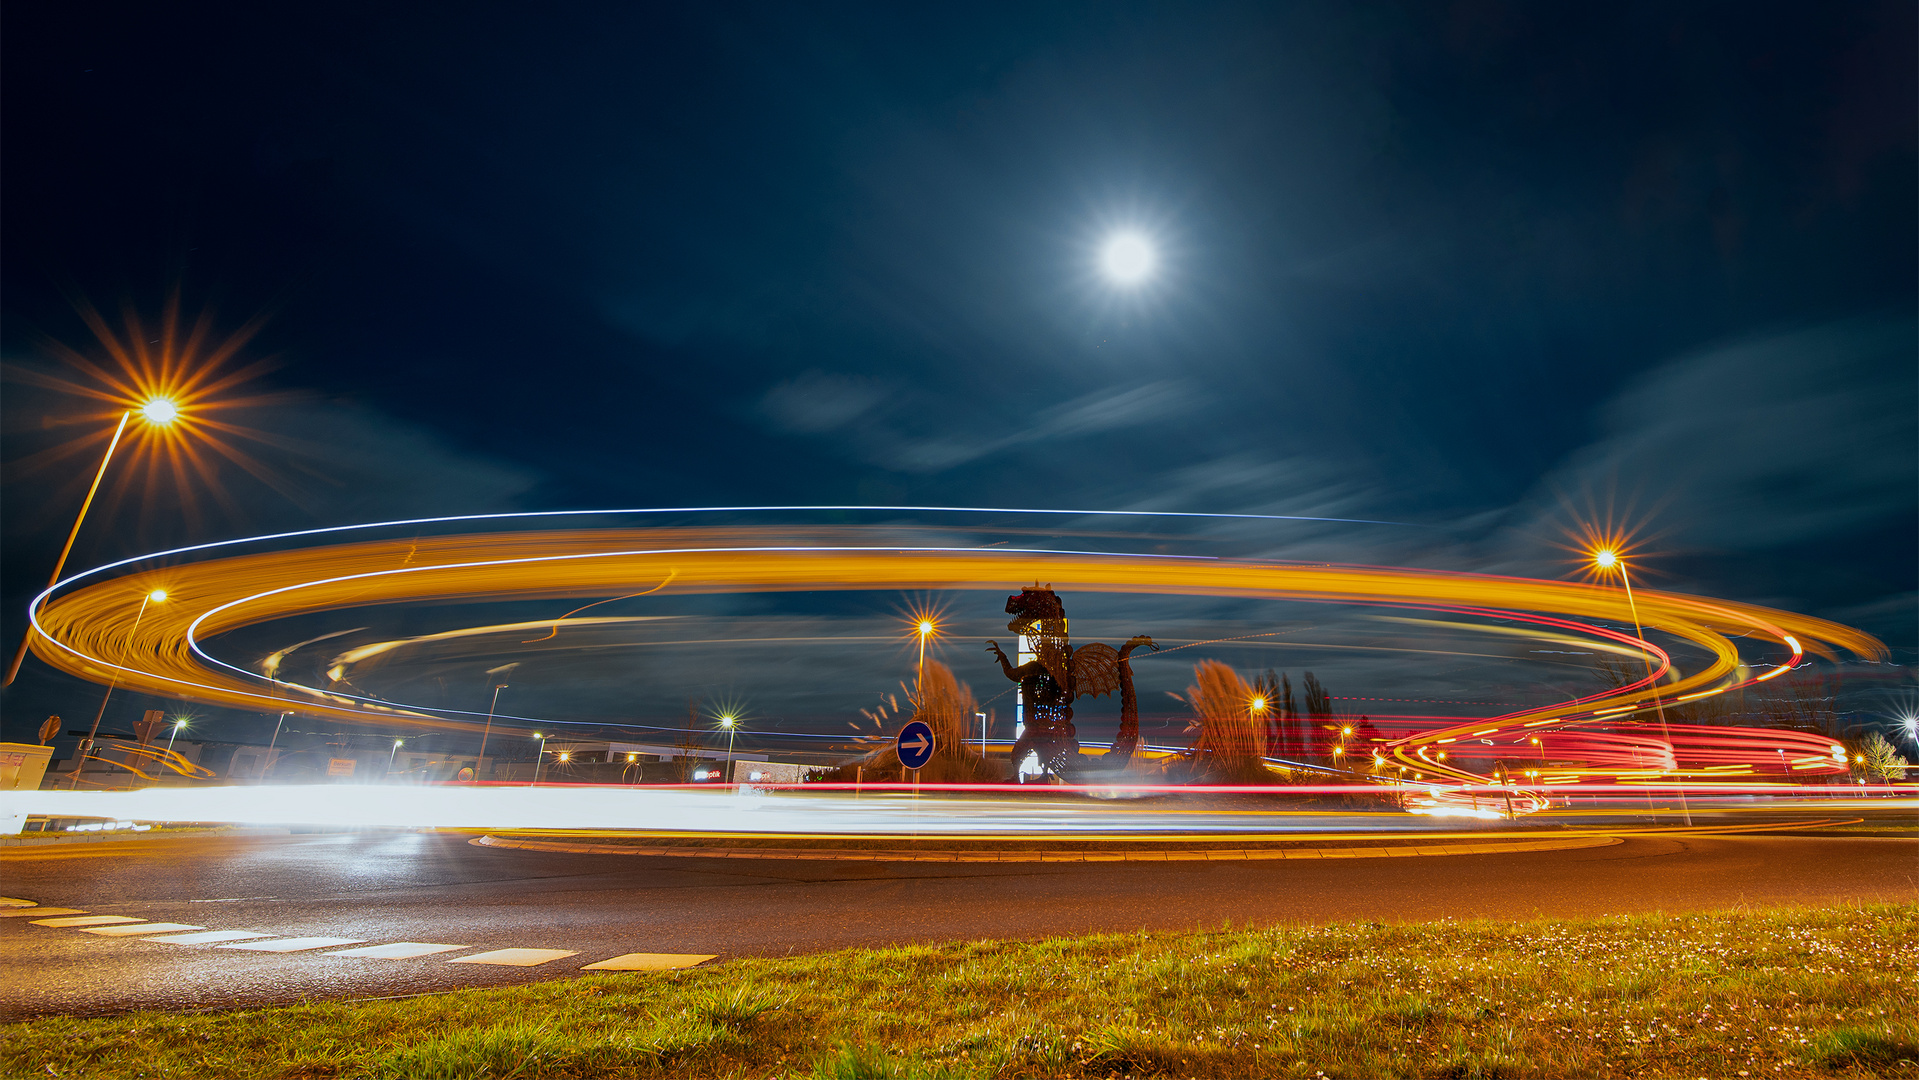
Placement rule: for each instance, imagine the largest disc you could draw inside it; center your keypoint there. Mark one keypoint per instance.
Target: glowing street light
(1608, 560)
(157, 596)
(1127, 258)
(179, 725)
(390, 755)
(539, 759)
(158, 411)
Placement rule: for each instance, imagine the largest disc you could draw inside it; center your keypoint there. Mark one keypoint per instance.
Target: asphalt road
(382, 888)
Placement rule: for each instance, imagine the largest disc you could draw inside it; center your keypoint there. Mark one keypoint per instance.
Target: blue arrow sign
(915, 744)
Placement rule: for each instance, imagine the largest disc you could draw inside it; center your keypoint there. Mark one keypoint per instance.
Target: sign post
(915, 748)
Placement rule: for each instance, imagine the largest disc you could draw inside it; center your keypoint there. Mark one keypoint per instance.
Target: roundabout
(105, 625)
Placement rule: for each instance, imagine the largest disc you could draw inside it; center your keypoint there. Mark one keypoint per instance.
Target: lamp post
(925, 631)
(539, 759)
(1608, 560)
(157, 596)
(731, 725)
(391, 754)
(481, 764)
(179, 723)
(267, 762)
(156, 411)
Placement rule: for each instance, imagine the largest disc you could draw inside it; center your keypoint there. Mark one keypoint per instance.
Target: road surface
(386, 888)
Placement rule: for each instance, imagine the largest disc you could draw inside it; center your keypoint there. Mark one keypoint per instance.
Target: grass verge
(1729, 994)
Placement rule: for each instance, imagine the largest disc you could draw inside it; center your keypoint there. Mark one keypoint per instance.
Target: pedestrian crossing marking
(650, 961)
(515, 957)
(173, 933)
(37, 912)
(208, 937)
(292, 944)
(8, 901)
(399, 950)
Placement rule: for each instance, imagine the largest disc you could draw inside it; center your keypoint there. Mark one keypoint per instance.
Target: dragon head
(1036, 610)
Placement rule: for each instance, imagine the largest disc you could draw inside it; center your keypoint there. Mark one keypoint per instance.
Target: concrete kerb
(1215, 855)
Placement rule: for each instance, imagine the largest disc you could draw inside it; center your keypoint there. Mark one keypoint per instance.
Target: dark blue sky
(1446, 263)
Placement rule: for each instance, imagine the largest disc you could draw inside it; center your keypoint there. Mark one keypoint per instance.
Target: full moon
(1127, 258)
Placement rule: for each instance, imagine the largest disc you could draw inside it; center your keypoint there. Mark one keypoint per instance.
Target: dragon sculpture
(1060, 674)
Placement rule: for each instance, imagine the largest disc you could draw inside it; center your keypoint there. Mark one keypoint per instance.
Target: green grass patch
(1730, 994)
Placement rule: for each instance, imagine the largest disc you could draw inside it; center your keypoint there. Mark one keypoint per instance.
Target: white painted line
(292, 944)
(8, 901)
(136, 929)
(37, 912)
(208, 937)
(650, 961)
(399, 950)
(515, 957)
(87, 920)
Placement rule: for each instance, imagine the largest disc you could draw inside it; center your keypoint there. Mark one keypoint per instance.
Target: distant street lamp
(539, 759)
(732, 728)
(157, 411)
(157, 596)
(1608, 560)
(481, 764)
(179, 724)
(926, 629)
(267, 761)
(390, 755)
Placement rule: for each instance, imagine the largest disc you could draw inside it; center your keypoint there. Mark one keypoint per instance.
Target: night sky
(1480, 268)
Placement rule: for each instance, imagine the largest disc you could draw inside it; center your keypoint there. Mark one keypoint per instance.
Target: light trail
(879, 811)
(83, 624)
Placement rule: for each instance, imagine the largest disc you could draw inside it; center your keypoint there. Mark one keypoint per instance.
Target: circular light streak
(86, 631)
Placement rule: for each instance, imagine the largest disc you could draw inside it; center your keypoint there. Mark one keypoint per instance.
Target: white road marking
(136, 929)
(399, 950)
(515, 957)
(292, 944)
(87, 920)
(650, 961)
(37, 912)
(8, 901)
(208, 937)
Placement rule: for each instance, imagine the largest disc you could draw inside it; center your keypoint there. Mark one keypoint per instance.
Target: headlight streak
(78, 632)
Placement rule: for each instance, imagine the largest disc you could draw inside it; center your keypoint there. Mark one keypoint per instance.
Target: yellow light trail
(85, 632)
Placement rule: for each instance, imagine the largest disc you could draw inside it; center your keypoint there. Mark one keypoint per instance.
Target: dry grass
(1734, 994)
(1230, 738)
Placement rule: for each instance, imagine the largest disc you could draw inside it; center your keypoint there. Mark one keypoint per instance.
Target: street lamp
(539, 759)
(925, 629)
(481, 764)
(157, 411)
(390, 755)
(1608, 560)
(731, 725)
(157, 596)
(266, 762)
(179, 724)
